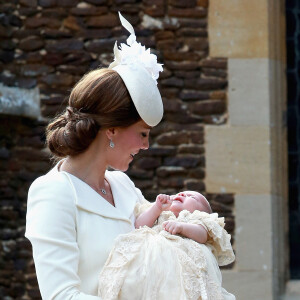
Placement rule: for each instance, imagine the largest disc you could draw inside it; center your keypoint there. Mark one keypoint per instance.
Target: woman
(77, 209)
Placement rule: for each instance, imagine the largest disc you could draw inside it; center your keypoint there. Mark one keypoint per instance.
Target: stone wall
(50, 46)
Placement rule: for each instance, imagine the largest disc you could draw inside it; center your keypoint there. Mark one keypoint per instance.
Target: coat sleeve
(51, 229)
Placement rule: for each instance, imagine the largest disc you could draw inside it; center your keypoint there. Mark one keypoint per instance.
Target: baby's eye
(144, 134)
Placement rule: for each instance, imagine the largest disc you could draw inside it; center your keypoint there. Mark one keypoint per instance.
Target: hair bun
(71, 133)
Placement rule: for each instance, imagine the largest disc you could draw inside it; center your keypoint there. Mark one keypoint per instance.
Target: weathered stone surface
(57, 79)
(108, 20)
(195, 43)
(181, 56)
(194, 185)
(68, 3)
(72, 69)
(148, 163)
(173, 138)
(198, 12)
(47, 3)
(99, 46)
(209, 72)
(182, 65)
(6, 56)
(217, 95)
(31, 43)
(216, 63)
(208, 107)
(205, 83)
(96, 33)
(197, 137)
(36, 22)
(140, 174)
(172, 182)
(30, 3)
(190, 148)
(169, 171)
(183, 118)
(173, 82)
(97, 2)
(34, 70)
(197, 173)
(192, 95)
(65, 45)
(183, 3)
(164, 35)
(160, 151)
(55, 33)
(168, 44)
(193, 23)
(71, 23)
(8, 45)
(185, 74)
(203, 3)
(155, 11)
(172, 105)
(194, 32)
(85, 9)
(183, 161)
(5, 32)
(53, 59)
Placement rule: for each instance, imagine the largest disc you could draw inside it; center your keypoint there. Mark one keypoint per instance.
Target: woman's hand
(173, 227)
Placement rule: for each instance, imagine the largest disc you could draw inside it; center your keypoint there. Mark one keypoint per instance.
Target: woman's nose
(145, 145)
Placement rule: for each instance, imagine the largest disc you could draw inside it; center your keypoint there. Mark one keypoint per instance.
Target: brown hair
(99, 100)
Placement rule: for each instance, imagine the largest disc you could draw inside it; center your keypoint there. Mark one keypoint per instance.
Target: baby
(173, 254)
(188, 200)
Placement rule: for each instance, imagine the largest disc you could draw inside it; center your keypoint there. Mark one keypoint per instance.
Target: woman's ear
(110, 133)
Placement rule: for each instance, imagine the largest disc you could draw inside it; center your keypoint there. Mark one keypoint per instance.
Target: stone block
(193, 95)
(184, 161)
(64, 45)
(254, 232)
(85, 9)
(249, 285)
(29, 3)
(238, 29)
(192, 149)
(249, 84)
(208, 107)
(31, 43)
(205, 83)
(182, 65)
(169, 171)
(36, 22)
(47, 3)
(198, 12)
(109, 20)
(173, 138)
(194, 185)
(216, 63)
(18, 101)
(237, 159)
(183, 3)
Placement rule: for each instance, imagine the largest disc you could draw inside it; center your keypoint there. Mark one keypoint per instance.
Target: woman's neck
(89, 166)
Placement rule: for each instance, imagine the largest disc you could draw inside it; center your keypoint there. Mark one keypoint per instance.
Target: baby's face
(188, 200)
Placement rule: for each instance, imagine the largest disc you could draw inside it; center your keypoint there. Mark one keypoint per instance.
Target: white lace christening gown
(152, 264)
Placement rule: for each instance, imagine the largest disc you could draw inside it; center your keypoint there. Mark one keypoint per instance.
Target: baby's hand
(163, 201)
(173, 227)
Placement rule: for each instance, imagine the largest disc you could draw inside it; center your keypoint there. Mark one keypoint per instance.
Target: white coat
(72, 229)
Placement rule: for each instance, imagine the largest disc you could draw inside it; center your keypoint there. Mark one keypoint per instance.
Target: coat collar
(88, 199)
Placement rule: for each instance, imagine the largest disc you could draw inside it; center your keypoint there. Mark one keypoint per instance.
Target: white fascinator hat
(139, 70)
